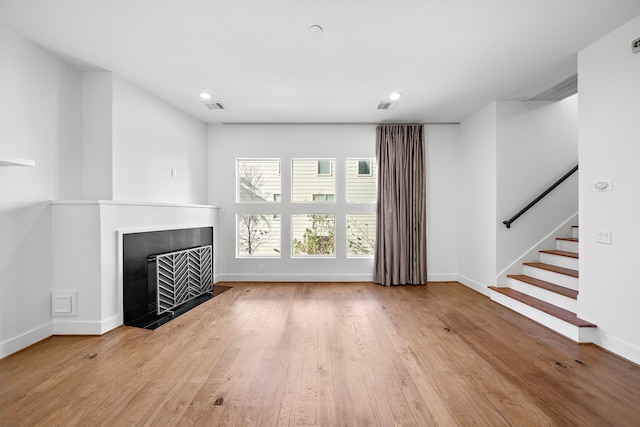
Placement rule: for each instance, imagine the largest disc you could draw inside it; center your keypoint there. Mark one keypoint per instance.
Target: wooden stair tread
(560, 253)
(554, 268)
(552, 287)
(568, 239)
(550, 309)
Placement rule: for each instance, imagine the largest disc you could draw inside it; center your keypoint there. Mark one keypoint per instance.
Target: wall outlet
(603, 236)
(635, 45)
(174, 173)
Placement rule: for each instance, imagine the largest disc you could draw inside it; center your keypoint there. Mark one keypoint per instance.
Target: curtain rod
(338, 123)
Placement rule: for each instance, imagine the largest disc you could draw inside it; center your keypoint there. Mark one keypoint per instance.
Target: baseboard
(25, 340)
(444, 277)
(617, 346)
(294, 278)
(478, 287)
(110, 323)
(70, 327)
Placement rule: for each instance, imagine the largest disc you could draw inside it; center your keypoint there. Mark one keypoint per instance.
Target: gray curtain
(401, 236)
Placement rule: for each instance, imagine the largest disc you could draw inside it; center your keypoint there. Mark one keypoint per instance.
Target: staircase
(547, 292)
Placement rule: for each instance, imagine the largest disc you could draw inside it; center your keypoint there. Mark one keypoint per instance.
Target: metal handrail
(540, 197)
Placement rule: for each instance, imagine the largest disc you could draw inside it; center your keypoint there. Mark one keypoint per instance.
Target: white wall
(609, 148)
(40, 120)
(477, 200)
(97, 135)
(537, 143)
(442, 151)
(150, 138)
(228, 142)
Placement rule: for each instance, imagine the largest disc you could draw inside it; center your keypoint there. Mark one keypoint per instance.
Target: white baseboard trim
(617, 346)
(478, 287)
(294, 278)
(110, 323)
(442, 277)
(75, 327)
(26, 339)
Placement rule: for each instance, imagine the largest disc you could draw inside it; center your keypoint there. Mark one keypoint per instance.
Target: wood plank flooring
(324, 354)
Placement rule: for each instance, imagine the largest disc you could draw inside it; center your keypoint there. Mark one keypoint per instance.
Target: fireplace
(181, 276)
(165, 273)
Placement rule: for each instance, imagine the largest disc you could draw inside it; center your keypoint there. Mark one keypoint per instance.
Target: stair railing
(540, 197)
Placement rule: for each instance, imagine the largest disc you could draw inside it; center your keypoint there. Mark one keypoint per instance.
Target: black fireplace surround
(139, 278)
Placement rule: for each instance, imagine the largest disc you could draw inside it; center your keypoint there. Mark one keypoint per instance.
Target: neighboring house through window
(260, 206)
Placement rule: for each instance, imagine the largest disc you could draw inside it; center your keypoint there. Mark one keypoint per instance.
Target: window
(258, 235)
(364, 167)
(307, 181)
(361, 234)
(258, 180)
(325, 167)
(308, 208)
(324, 197)
(313, 235)
(361, 180)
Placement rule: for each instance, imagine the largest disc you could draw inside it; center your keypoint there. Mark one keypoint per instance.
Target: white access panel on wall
(64, 303)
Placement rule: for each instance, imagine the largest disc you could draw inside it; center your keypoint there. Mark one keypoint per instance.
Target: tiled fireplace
(181, 259)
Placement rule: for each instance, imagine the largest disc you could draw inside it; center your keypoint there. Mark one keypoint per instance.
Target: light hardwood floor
(324, 354)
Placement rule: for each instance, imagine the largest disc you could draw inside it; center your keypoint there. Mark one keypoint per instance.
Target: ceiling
(448, 57)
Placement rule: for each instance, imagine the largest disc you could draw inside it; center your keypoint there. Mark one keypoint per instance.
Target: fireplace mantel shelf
(129, 203)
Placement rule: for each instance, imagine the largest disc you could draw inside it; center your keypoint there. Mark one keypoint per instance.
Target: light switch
(603, 236)
(174, 173)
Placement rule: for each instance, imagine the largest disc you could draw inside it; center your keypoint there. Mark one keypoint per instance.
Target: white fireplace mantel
(87, 253)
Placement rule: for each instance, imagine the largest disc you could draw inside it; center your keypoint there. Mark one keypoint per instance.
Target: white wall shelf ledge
(16, 161)
(130, 203)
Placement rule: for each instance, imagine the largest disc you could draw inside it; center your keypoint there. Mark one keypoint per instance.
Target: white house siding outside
(361, 187)
(313, 181)
(258, 180)
(308, 185)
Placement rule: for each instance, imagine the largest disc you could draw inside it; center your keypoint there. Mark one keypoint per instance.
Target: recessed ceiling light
(395, 96)
(204, 96)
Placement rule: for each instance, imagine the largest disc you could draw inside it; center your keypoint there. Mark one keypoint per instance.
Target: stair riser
(575, 232)
(550, 276)
(566, 245)
(544, 295)
(560, 261)
(560, 326)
